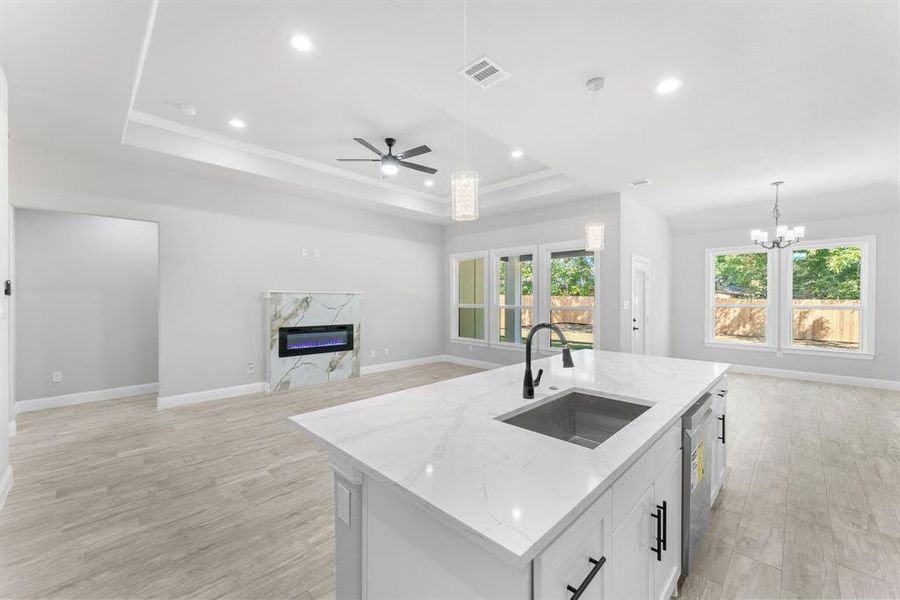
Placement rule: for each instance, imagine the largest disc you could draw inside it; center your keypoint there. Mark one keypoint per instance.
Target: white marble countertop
(509, 489)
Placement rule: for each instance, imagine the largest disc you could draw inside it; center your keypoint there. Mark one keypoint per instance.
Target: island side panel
(411, 554)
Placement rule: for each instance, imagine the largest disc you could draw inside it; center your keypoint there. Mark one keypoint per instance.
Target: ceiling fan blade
(369, 146)
(414, 152)
(416, 167)
(359, 160)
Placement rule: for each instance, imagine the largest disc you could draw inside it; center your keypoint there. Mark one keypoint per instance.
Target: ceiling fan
(391, 163)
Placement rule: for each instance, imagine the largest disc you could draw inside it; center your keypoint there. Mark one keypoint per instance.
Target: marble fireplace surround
(299, 309)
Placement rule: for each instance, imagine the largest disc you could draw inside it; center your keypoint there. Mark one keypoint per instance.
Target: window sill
(469, 341)
(793, 350)
(830, 353)
(753, 347)
(508, 346)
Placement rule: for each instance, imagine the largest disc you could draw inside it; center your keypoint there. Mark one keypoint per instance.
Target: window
(572, 297)
(826, 297)
(513, 295)
(740, 297)
(814, 297)
(468, 296)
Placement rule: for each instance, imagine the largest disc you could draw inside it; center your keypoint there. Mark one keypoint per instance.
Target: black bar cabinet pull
(665, 528)
(722, 437)
(658, 516)
(577, 592)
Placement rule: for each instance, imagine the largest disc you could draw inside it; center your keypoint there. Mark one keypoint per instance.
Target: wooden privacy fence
(816, 322)
(581, 314)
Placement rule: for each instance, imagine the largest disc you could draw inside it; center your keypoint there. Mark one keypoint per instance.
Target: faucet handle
(537, 380)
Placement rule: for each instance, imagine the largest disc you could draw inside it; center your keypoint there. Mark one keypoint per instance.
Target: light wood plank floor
(811, 507)
(117, 500)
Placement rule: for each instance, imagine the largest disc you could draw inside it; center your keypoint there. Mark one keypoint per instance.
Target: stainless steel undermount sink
(578, 418)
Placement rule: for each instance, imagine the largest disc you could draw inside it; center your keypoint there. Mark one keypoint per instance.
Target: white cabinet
(578, 558)
(718, 457)
(646, 541)
(632, 561)
(667, 504)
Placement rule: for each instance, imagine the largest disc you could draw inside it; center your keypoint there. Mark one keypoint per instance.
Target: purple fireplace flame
(315, 339)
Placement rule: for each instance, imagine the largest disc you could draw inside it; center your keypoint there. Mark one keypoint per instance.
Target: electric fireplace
(315, 339)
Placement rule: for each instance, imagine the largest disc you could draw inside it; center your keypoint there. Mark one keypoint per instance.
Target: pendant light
(784, 235)
(594, 231)
(464, 184)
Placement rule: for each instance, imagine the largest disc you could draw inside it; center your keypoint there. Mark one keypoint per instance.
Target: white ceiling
(808, 92)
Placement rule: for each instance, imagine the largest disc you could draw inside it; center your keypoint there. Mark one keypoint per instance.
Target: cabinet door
(579, 556)
(667, 491)
(718, 453)
(632, 562)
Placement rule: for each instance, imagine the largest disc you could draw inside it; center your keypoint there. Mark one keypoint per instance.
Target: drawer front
(628, 488)
(577, 557)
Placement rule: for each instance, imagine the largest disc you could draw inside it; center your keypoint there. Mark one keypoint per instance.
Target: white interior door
(640, 292)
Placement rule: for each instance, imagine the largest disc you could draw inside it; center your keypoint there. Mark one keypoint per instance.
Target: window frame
(780, 291)
(455, 305)
(866, 306)
(770, 306)
(545, 273)
(495, 305)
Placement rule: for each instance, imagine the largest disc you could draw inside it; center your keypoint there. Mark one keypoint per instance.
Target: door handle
(722, 437)
(659, 543)
(665, 526)
(577, 592)
(635, 328)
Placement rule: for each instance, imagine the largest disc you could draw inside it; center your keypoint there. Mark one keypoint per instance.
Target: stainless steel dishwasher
(696, 442)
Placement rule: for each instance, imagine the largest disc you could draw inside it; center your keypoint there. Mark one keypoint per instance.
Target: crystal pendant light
(784, 235)
(593, 236)
(464, 196)
(464, 184)
(593, 231)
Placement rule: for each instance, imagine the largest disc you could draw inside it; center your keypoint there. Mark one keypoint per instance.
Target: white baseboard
(5, 485)
(206, 395)
(471, 362)
(400, 364)
(882, 384)
(427, 360)
(13, 429)
(83, 397)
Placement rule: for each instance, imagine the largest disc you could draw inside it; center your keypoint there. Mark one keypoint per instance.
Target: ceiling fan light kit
(390, 162)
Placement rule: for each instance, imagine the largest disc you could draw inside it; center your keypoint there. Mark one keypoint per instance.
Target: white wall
(688, 266)
(87, 291)
(646, 233)
(560, 223)
(214, 266)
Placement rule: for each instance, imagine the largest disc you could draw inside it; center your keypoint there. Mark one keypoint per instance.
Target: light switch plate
(626, 305)
(343, 504)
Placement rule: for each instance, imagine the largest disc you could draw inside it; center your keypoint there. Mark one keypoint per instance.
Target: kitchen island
(437, 496)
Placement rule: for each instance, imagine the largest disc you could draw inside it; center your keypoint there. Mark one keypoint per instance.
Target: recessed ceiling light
(668, 85)
(237, 123)
(429, 183)
(187, 110)
(301, 43)
(640, 182)
(516, 153)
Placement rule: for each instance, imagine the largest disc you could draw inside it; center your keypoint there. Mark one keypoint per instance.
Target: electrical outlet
(471, 348)
(56, 376)
(387, 351)
(371, 353)
(316, 253)
(251, 367)
(305, 252)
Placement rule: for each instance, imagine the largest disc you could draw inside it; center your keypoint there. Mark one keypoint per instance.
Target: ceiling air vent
(484, 73)
(640, 183)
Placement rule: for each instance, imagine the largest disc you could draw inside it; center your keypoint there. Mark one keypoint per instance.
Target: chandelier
(784, 235)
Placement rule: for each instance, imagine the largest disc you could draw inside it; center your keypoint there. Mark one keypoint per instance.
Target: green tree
(572, 276)
(742, 275)
(827, 273)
